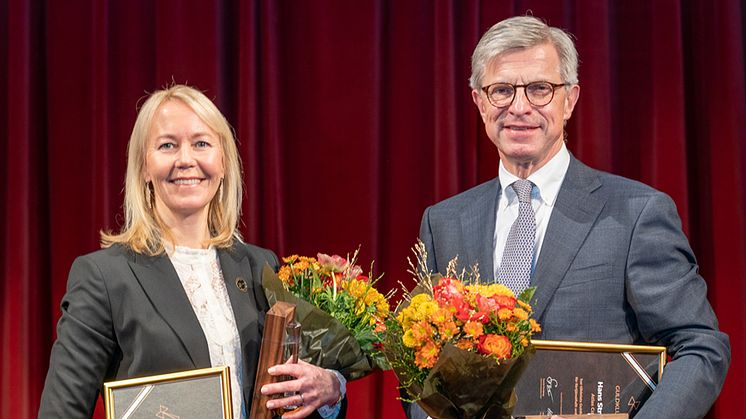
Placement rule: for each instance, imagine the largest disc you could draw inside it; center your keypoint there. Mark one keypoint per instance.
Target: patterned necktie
(515, 269)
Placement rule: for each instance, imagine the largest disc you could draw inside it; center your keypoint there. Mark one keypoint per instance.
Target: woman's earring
(149, 194)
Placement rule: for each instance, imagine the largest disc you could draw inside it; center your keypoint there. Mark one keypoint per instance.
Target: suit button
(241, 284)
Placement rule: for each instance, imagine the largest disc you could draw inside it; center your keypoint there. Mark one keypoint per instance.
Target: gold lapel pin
(241, 284)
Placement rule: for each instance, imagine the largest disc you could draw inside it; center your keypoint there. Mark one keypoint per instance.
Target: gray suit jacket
(615, 267)
(126, 315)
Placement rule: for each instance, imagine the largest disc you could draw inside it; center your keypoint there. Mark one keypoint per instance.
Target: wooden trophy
(271, 353)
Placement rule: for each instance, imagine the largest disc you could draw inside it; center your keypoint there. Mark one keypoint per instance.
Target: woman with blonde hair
(176, 289)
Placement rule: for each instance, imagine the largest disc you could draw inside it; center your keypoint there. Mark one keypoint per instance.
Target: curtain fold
(716, 143)
(352, 118)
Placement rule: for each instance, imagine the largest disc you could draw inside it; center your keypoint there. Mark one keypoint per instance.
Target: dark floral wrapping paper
(325, 341)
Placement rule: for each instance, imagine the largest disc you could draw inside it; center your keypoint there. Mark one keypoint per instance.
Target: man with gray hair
(606, 254)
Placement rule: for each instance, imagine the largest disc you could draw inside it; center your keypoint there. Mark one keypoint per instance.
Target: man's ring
(302, 402)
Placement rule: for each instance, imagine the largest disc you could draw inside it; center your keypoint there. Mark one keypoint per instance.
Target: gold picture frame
(568, 378)
(202, 393)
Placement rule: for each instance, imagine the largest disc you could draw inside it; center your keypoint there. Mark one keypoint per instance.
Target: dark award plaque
(578, 378)
(196, 394)
(270, 353)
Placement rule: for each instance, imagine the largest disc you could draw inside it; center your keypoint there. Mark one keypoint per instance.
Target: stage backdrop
(352, 117)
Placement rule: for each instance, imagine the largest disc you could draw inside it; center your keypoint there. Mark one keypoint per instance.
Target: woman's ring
(302, 402)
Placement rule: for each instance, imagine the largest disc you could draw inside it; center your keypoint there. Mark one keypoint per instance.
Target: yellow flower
(382, 307)
(535, 327)
(357, 289)
(406, 317)
(490, 290)
(409, 340)
(524, 342)
(420, 298)
(414, 312)
(427, 309)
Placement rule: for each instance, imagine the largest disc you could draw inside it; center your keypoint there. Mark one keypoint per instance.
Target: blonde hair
(143, 230)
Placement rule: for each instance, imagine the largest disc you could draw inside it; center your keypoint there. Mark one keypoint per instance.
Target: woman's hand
(313, 386)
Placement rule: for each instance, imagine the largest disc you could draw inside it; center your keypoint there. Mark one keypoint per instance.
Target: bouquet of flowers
(457, 346)
(341, 313)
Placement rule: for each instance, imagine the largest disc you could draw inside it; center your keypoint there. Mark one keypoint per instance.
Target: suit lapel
(478, 226)
(575, 212)
(237, 271)
(160, 282)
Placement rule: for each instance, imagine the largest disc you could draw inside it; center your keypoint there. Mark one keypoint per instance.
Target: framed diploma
(196, 394)
(592, 416)
(579, 378)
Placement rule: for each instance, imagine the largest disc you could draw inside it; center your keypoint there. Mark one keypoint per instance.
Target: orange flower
(421, 332)
(520, 313)
(442, 315)
(504, 314)
(535, 327)
(495, 345)
(474, 329)
(427, 356)
(524, 306)
(284, 274)
(290, 259)
(447, 330)
(301, 266)
(466, 344)
(505, 301)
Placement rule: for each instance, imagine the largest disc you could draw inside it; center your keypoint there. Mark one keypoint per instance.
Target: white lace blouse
(200, 274)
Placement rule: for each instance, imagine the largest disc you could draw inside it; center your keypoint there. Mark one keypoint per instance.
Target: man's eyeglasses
(538, 93)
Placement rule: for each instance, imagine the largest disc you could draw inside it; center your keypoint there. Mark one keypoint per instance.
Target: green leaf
(527, 295)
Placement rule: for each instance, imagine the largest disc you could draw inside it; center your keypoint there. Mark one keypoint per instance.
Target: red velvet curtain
(352, 117)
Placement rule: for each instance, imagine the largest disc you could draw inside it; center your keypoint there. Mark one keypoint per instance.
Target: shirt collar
(548, 179)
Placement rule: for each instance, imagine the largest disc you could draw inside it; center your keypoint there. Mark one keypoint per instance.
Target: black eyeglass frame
(515, 87)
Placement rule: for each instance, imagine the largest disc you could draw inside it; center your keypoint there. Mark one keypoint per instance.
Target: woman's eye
(166, 146)
(202, 144)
